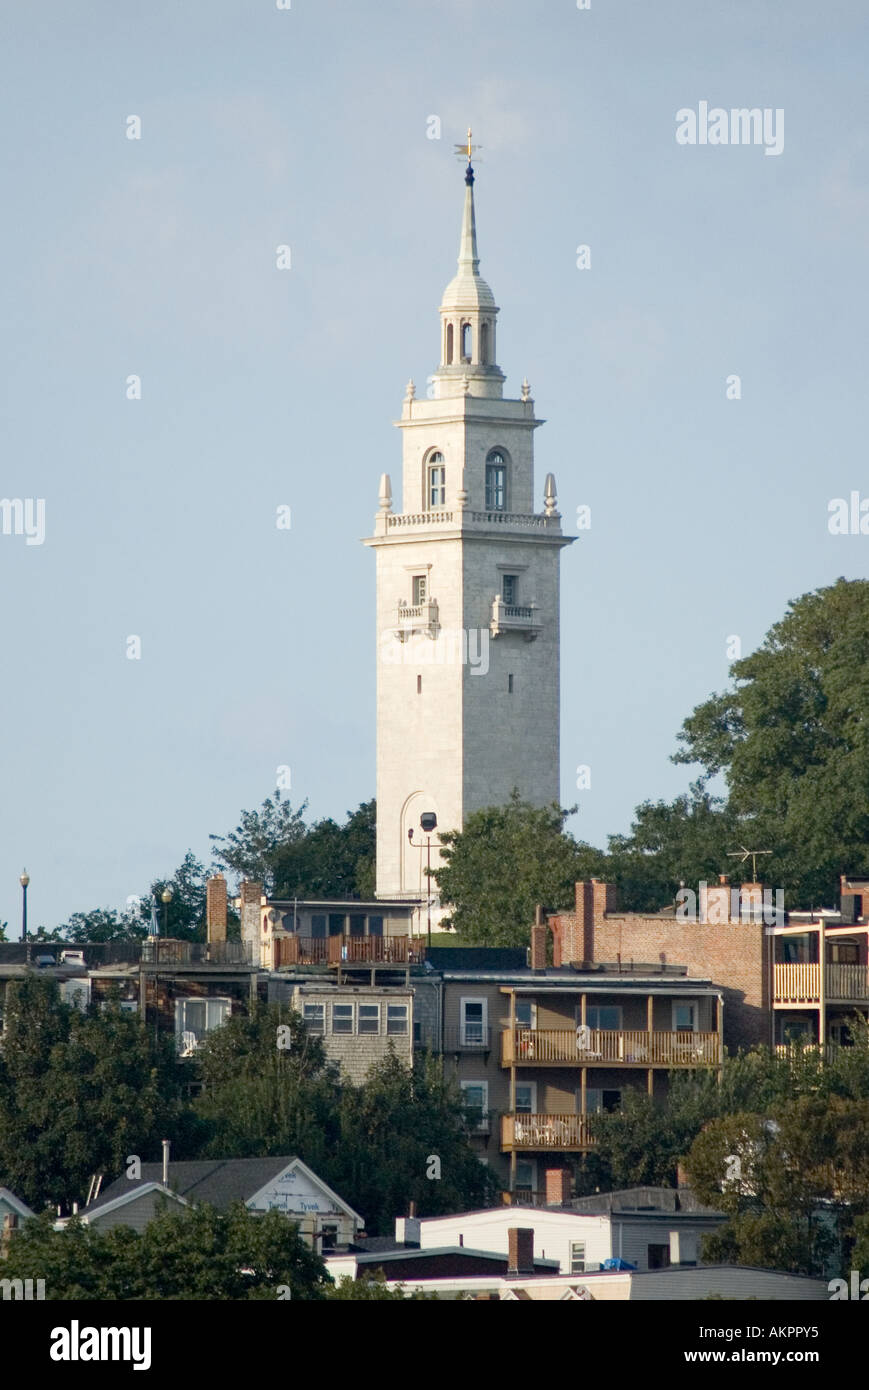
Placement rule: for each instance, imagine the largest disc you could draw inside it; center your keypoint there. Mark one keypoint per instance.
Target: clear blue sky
(264, 387)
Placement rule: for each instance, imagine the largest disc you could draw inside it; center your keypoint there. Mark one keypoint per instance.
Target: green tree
(197, 1254)
(392, 1127)
(683, 841)
(250, 851)
(792, 741)
(506, 861)
(100, 924)
(268, 1088)
(330, 860)
(79, 1092)
(373, 1288)
(184, 914)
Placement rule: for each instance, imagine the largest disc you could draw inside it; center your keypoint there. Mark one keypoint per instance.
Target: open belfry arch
(467, 639)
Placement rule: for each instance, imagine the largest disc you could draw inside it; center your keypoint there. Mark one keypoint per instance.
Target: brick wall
(733, 954)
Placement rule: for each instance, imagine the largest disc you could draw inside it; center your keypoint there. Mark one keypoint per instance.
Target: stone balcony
(419, 619)
(512, 617)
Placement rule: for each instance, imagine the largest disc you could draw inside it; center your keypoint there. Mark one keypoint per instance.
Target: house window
(476, 1097)
(526, 1013)
(369, 1018)
(396, 1020)
(342, 1018)
(496, 483)
(577, 1257)
(336, 923)
(685, 1017)
(659, 1257)
(526, 1097)
(437, 481)
(526, 1173)
(314, 1017)
(420, 589)
(473, 1022)
(357, 924)
(196, 1018)
(328, 1237)
(510, 589)
(604, 1016)
(375, 926)
(318, 925)
(598, 1102)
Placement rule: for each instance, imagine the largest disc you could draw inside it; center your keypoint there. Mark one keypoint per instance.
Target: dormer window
(496, 482)
(436, 491)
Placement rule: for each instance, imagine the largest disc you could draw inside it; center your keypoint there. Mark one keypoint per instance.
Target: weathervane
(742, 854)
(467, 150)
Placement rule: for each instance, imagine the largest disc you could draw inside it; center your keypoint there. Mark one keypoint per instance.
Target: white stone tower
(467, 596)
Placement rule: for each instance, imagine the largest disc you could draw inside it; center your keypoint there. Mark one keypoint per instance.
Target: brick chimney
(251, 896)
(215, 908)
(557, 1187)
(520, 1250)
(715, 902)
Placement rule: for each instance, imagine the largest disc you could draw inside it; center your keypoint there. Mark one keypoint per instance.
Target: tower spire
(468, 310)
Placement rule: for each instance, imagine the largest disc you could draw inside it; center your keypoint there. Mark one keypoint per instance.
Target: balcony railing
(417, 618)
(514, 617)
(561, 1132)
(158, 950)
(800, 982)
(581, 1047)
(347, 950)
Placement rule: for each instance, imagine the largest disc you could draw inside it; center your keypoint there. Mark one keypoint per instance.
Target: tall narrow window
(437, 481)
(419, 685)
(449, 344)
(509, 589)
(484, 343)
(509, 685)
(466, 342)
(420, 587)
(496, 482)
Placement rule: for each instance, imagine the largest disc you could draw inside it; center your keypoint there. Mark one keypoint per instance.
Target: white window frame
(344, 1032)
(578, 1263)
(533, 1024)
(368, 1032)
(484, 1024)
(532, 1087)
(465, 1086)
(309, 1004)
(435, 464)
(181, 1029)
(691, 1004)
(398, 1032)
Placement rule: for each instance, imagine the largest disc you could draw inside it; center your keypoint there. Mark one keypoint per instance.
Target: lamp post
(428, 822)
(24, 880)
(166, 898)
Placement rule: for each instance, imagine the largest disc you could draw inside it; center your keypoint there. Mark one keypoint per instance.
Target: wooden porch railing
(608, 1047)
(797, 983)
(561, 1132)
(347, 950)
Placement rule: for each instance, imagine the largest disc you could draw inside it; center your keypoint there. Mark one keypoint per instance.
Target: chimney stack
(538, 942)
(557, 1187)
(215, 908)
(520, 1250)
(251, 894)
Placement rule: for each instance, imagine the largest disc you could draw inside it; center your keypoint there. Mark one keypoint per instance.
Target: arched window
(466, 342)
(436, 481)
(496, 481)
(449, 344)
(484, 343)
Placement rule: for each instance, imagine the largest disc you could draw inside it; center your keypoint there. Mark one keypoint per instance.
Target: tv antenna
(742, 854)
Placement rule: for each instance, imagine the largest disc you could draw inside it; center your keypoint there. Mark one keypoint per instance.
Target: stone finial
(410, 390)
(526, 390)
(385, 494)
(550, 497)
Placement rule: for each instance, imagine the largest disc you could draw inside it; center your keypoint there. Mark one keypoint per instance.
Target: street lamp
(24, 880)
(428, 822)
(166, 898)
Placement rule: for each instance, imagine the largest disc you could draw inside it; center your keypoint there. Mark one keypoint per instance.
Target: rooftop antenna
(468, 151)
(742, 854)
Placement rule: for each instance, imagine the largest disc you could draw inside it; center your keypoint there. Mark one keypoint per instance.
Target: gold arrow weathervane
(467, 150)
